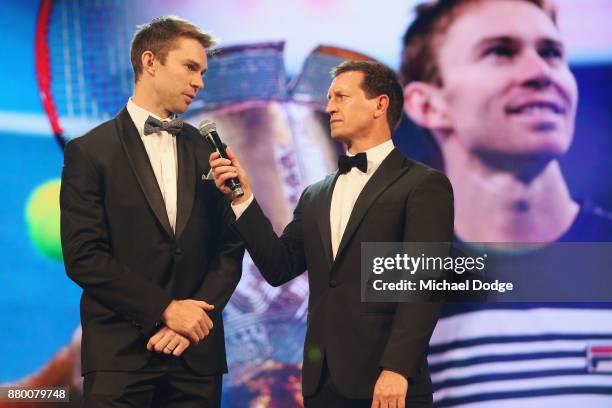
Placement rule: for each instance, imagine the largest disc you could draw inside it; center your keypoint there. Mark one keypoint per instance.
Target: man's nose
(534, 71)
(330, 108)
(197, 83)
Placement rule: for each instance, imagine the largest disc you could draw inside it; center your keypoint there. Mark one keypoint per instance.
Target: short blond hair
(160, 35)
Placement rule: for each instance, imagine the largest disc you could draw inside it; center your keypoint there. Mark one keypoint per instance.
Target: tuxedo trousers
(166, 381)
(328, 396)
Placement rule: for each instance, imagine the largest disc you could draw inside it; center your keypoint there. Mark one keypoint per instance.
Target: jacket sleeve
(86, 248)
(225, 268)
(429, 217)
(279, 259)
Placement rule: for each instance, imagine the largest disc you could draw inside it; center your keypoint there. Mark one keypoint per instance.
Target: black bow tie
(346, 163)
(153, 125)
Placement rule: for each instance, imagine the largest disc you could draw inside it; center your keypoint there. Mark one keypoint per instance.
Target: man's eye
(551, 53)
(190, 67)
(500, 51)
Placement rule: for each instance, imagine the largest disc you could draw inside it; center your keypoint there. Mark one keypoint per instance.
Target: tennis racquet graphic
(82, 64)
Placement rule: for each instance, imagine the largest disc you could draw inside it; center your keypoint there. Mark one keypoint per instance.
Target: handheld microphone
(208, 130)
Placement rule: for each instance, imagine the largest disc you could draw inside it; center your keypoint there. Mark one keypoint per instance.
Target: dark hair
(378, 80)
(160, 35)
(419, 61)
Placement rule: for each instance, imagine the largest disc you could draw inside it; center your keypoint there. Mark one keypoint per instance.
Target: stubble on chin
(338, 137)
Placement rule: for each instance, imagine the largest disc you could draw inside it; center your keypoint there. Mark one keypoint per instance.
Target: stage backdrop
(66, 69)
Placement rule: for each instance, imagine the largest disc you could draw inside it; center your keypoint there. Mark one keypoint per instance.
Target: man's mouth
(534, 107)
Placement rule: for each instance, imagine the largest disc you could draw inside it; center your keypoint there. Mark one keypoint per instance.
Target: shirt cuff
(241, 208)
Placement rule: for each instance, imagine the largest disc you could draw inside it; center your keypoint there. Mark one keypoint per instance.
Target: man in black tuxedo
(356, 354)
(145, 236)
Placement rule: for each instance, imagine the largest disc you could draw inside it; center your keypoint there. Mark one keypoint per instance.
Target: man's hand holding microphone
(230, 177)
(229, 168)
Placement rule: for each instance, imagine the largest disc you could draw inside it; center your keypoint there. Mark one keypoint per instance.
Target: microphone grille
(207, 126)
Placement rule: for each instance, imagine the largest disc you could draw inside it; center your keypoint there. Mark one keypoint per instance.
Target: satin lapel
(186, 180)
(322, 214)
(139, 161)
(390, 170)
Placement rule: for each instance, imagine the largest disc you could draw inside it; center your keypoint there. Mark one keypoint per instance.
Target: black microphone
(208, 130)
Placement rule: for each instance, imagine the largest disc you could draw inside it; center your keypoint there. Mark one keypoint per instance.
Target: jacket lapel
(388, 172)
(322, 214)
(186, 180)
(139, 161)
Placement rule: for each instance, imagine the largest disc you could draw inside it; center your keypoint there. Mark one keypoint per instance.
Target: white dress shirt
(347, 189)
(161, 149)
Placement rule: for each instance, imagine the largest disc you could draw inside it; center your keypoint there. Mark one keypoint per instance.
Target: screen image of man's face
(506, 82)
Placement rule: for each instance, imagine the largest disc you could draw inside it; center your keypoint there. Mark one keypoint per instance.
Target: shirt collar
(140, 115)
(377, 154)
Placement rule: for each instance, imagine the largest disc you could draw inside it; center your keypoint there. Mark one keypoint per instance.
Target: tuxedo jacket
(403, 201)
(119, 247)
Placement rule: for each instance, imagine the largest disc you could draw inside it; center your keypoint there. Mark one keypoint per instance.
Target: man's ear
(382, 105)
(425, 105)
(148, 61)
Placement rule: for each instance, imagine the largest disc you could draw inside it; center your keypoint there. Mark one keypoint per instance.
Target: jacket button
(333, 283)
(178, 251)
